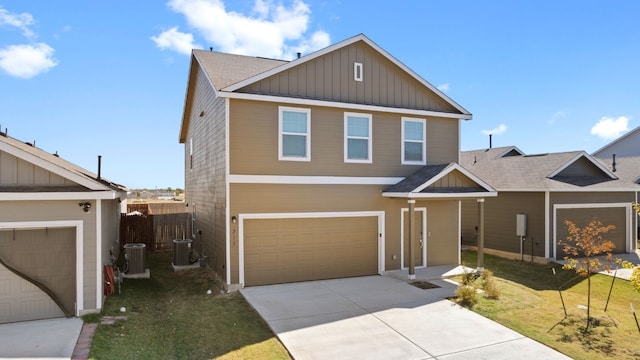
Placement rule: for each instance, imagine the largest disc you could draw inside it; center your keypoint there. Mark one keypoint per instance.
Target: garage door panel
(582, 216)
(309, 249)
(46, 256)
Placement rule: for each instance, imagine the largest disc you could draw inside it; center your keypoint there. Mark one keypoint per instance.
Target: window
(414, 149)
(357, 71)
(357, 138)
(294, 128)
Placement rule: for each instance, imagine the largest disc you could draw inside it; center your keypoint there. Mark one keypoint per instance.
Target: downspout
(547, 229)
(480, 268)
(412, 232)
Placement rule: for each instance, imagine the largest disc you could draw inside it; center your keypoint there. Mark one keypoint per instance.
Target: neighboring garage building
(58, 227)
(542, 191)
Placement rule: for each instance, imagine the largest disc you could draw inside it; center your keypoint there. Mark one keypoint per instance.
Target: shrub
(467, 295)
(489, 285)
(468, 277)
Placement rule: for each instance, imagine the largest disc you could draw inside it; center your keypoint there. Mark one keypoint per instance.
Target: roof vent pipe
(99, 165)
(490, 142)
(299, 54)
(614, 163)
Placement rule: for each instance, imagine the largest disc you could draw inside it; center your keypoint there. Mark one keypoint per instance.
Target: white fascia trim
(99, 278)
(78, 225)
(342, 105)
(312, 180)
(571, 190)
(89, 195)
(49, 166)
(311, 215)
(616, 141)
(228, 192)
(473, 195)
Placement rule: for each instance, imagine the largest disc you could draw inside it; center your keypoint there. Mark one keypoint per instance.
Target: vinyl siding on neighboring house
(205, 175)
(331, 77)
(254, 143)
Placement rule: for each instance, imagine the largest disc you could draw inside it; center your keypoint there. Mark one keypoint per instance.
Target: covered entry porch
(444, 182)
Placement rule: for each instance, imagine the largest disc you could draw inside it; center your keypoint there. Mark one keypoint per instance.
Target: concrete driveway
(381, 317)
(41, 339)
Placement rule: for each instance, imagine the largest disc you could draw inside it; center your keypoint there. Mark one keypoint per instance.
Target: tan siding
(442, 232)
(254, 143)
(384, 83)
(500, 222)
(205, 190)
(270, 198)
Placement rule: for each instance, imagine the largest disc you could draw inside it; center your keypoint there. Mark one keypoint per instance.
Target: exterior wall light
(234, 219)
(85, 206)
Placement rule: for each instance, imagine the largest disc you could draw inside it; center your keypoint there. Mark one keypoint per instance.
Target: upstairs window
(414, 147)
(294, 134)
(357, 138)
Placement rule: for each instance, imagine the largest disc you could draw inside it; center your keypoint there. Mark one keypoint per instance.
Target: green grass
(530, 304)
(170, 316)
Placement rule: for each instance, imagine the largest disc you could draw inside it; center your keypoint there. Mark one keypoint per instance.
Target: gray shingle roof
(60, 163)
(533, 172)
(227, 69)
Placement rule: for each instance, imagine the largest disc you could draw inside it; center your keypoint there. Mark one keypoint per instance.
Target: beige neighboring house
(539, 192)
(58, 227)
(321, 167)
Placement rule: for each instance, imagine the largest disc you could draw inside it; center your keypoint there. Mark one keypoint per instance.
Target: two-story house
(321, 167)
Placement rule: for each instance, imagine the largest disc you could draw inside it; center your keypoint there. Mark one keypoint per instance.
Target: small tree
(588, 243)
(635, 275)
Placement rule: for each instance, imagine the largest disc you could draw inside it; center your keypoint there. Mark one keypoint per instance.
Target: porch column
(412, 232)
(480, 268)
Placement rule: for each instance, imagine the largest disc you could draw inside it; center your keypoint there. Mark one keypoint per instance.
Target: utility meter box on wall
(521, 224)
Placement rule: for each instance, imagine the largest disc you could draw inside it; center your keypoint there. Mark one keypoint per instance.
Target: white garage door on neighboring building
(281, 250)
(46, 256)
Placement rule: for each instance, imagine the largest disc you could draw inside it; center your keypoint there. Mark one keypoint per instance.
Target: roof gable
(443, 180)
(48, 171)
(625, 145)
(328, 74)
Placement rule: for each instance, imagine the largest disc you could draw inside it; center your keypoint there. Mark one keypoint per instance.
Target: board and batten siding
(205, 175)
(253, 137)
(331, 77)
(17, 172)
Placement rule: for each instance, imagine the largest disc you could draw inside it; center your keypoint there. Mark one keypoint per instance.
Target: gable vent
(357, 71)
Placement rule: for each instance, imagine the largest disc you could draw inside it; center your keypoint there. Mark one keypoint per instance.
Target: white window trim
(357, 71)
(369, 139)
(280, 134)
(424, 142)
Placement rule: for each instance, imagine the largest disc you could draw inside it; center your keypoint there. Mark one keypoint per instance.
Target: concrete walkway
(41, 339)
(382, 317)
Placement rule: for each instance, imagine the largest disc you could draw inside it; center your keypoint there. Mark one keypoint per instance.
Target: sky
(89, 78)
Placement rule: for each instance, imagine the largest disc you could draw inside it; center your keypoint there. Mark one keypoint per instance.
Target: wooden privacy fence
(155, 231)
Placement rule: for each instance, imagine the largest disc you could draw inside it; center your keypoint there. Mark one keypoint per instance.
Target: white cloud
(27, 61)
(501, 129)
(610, 128)
(21, 21)
(558, 115)
(272, 30)
(444, 87)
(175, 40)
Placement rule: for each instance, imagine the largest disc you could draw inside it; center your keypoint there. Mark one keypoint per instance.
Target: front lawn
(170, 316)
(530, 304)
